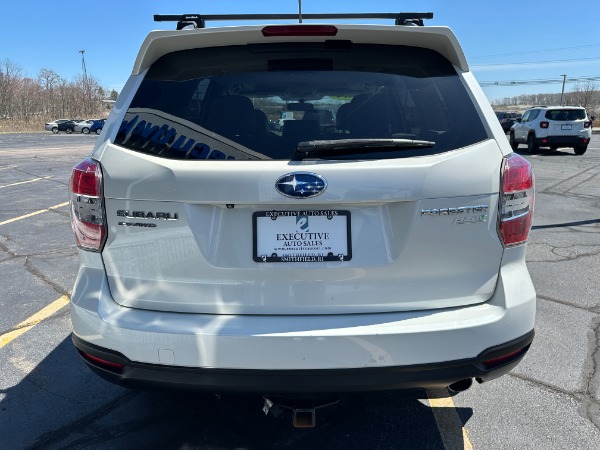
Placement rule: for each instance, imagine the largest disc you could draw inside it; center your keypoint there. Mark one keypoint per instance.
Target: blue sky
(524, 41)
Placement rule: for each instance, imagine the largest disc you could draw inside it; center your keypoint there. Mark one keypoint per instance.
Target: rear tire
(69, 130)
(86, 131)
(99, 130)
(580, 149)
(532, 147)
(55, 130)
(513, 143)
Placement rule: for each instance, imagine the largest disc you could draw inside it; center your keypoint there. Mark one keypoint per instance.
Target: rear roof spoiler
(199, 20)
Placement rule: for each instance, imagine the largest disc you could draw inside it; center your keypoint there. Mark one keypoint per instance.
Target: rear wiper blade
(346, 146)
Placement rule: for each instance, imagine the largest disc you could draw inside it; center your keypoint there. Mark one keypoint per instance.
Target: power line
(552, 61)
(571, 80)
(535, 51)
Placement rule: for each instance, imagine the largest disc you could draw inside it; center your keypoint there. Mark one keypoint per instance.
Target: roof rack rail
(199, 20)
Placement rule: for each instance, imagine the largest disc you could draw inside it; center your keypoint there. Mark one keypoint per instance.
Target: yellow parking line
(453, 433)
(32, 321)
(25, 182)
(35, 213)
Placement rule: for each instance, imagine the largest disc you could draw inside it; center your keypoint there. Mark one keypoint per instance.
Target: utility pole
(563, 89)
(86, 84)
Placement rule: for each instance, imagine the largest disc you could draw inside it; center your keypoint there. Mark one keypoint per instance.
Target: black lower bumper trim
(124, 372)
(562, 140)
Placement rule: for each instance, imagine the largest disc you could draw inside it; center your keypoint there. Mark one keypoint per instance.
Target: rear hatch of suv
(212, 208)
(565, 121)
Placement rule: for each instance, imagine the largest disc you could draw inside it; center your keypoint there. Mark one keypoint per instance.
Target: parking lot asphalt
(48, 399)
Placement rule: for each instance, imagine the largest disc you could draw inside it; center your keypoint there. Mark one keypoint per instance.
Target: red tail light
(103, 362)
(516, 200)
(87, 205)
(544, 124)
(500, 360)
(299, 30)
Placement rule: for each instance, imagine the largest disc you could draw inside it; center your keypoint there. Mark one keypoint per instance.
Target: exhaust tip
(461, 385)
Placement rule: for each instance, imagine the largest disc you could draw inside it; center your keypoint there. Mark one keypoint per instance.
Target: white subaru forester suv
(220, 252)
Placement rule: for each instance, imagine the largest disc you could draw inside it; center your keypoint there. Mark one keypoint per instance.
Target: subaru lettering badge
(301, 185)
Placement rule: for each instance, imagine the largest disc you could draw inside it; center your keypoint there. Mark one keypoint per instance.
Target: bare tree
(10, 74)
(26, 103)
(586, 94)
(50, 81)
(90, 94)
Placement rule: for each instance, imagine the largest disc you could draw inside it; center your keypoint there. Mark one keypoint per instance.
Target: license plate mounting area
(301, 236)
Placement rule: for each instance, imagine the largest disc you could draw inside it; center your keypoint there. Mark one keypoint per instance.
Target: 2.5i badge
(470, 220)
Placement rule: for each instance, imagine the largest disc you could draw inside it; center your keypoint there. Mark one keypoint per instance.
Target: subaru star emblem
(301, 185)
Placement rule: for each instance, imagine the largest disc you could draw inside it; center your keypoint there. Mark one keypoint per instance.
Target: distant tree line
(26, 103)
(585, 94)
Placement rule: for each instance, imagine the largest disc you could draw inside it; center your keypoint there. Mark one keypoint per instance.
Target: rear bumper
(130, 374)
(288, 354)
(566, 141)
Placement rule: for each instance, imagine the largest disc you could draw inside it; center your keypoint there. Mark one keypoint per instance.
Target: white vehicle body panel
(439, 39)
(203, 263)
(288, 342)
(176, 282)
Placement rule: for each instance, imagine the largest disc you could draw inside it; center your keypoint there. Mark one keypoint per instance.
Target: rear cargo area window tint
(565, 114)
(258, 102)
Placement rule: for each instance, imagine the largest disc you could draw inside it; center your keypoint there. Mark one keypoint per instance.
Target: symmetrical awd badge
(301, 185)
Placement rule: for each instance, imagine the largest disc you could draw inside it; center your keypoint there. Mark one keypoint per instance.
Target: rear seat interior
(365, 116)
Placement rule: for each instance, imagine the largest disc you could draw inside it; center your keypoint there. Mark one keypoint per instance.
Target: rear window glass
(260, 101)
(566, 114)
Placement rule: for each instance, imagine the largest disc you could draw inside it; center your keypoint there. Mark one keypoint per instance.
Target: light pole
(563, 89)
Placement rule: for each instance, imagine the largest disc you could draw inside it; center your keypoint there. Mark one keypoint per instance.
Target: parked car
(53, 125)
(553, 127)
(97, 126)
(387, 254)
(66, 125)
(83, 126)
(507, 119)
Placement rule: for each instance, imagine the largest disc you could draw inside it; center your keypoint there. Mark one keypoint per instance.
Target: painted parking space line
(35, 213)
(25, 182)
(32, 321)
(452, 432)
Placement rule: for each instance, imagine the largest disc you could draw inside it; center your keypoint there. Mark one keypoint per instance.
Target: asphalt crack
(588, 171)
(568, 304)
(591, 408)
(45, 177)
(586, 396)
(39, 275)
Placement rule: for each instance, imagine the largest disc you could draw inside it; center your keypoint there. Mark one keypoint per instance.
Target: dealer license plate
(301, 236)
